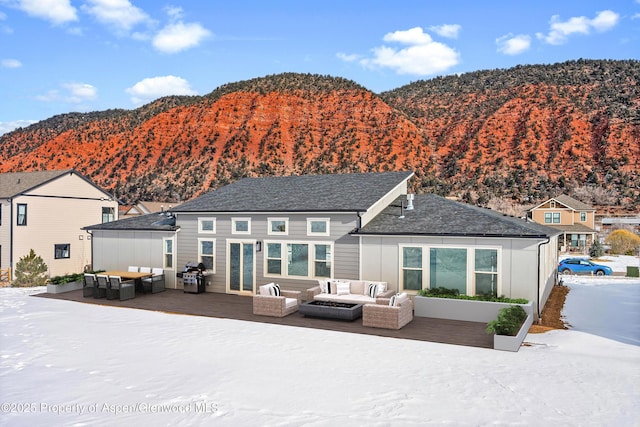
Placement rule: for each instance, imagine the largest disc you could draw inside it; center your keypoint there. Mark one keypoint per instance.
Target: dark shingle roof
(305, 193)
(436, 216)
(150, 222)
(573, 203)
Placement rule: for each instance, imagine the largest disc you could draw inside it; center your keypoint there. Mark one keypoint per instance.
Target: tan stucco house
(45, 211)
(575, 219)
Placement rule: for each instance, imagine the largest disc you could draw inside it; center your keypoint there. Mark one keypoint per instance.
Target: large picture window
(448, 268)
(206, 253)
(21, 218)
(62, 251)
(299, 259)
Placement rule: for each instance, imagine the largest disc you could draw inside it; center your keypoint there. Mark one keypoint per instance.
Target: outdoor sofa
(349, 291)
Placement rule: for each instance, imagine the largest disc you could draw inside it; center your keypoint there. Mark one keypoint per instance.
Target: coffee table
(331, 310)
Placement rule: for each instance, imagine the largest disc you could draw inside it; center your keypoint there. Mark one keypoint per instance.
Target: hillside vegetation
(520, 135)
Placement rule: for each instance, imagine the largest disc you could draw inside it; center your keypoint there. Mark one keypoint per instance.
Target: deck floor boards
(240, 308)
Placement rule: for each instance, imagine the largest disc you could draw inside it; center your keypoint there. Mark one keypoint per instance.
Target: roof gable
(566, 201)
(15, 183)
(356, 192)
(436, 216)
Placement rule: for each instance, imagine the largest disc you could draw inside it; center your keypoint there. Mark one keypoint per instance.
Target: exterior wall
(345, 250)
(517, 261)
(117, 250)
(56, 212)
(5, 232)
(568, 216)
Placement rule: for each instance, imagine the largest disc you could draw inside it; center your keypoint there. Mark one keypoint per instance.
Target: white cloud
(347, 58)
(73, 92)
(155, 87)
(561, 30)
(179, 36)
(55, 11)
(119, 14)
(422, 57)
(6, 127)
(513, 45)
(10, 63)
(447, 30)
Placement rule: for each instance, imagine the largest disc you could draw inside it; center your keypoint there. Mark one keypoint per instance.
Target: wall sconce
(259, 246)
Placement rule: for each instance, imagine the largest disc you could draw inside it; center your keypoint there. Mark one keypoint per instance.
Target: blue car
(583, 266)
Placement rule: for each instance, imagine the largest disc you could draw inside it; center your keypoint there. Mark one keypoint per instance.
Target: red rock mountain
(525, 134)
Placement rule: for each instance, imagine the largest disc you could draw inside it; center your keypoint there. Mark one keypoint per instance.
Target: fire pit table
(331, 310)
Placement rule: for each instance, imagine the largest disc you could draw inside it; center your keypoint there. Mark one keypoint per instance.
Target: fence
(5, 277)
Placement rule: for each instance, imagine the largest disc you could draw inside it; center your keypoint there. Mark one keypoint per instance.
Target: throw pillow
(325, 286)
(264, 289)
(274, 290)
(392, 300)
(342, 288)
(372, 290)
(401, 298)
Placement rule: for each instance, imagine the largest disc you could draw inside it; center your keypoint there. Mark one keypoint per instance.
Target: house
(294, 230)
(147, 207)
(45, 211)
(574, 219)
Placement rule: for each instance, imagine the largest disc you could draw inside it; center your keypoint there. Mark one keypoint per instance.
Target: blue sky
(61, 56)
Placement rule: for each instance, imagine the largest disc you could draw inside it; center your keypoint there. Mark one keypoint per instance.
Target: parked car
(583, 266)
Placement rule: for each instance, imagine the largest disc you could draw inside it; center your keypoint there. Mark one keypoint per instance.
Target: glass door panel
(241, 267)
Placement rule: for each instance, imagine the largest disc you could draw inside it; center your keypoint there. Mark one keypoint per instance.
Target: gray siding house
(294, 230)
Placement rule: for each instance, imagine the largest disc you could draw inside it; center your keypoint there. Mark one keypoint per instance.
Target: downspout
(538, 281)
(91, 234)
(11, 231)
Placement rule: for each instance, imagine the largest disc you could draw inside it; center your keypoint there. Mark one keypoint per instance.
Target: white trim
(284, 262)
(164, 253)
(235, 220)
(270, 230)
(228, 266)
(326, 220)
(200, 254)
(201, 220)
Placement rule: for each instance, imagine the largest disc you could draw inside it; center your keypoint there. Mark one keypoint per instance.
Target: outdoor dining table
(130, 275)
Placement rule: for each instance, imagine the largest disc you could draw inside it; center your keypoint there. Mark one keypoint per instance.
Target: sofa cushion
(398, 299)
(357, 287)
(290, 302)
(349, 299)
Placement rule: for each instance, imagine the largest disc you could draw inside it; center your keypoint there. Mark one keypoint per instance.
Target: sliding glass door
(241, 267)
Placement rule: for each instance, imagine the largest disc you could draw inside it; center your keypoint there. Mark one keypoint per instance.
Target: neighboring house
(147, 207)
(609, 224)
(45, 211)
(141, 240)
(294, 230)
(574, 219)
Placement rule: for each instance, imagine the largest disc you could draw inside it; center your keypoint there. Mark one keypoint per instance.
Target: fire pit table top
(331, 310)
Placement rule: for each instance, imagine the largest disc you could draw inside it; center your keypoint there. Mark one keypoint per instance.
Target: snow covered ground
(74, 364)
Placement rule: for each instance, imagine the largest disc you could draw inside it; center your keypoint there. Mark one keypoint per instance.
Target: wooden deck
(240, 308)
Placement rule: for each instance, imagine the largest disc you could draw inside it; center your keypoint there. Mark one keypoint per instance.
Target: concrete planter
(67, 287)
(474, 311)
(508, 343)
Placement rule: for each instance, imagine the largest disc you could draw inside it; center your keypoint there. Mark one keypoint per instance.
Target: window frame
(270, 230)
(165, 253)
(112, 215)
(25, 216)
(583, 217)
(61, 247)
(213, 256)
(310, 222)
(234, 225)
(201, 229)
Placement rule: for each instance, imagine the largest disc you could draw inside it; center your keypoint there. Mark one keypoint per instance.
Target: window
(412, 268)
(108, 214)
(167, 245)
(241, 226)
(486, 271)
(317, 226)
(62, 251)
(583, 216)
(207, 225)
(22, 214)
(274, 258)
(299, 259)
(278, 226)
(552, 218)
(206, 253)
(448, 268)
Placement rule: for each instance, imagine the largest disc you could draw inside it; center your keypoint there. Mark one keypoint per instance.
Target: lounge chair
(272, 301)
(394, 314)
(121, 290)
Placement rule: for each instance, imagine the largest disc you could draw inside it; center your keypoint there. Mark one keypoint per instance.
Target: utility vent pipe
(410, 202)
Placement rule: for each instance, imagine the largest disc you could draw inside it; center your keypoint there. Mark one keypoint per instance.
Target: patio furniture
(156, 282)
(349, 291)
(89, 285)
(275, 302)
(100, 291)
(121, 290)
(130, 275)
(133, 269)
(392, 315)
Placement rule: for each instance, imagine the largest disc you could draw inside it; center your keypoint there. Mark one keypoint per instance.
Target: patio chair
(155, 282)
(133, 269)
(392, 315)
(274, 302)
(100, 290)
(89, 285)
(121, 290)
